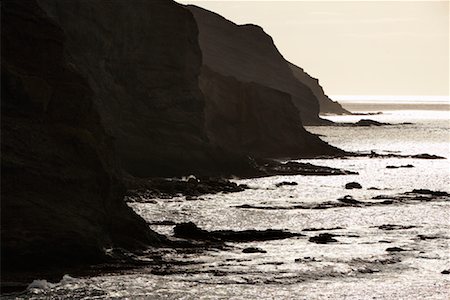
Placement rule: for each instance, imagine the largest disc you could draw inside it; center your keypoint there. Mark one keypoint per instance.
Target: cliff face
(142, 60)
(247, 53)
(256, 120)
(61, 195)
(327, 106)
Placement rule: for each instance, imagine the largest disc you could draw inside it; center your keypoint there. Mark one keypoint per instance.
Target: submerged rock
(296, 168)
(446, 272)
(191, 231)
(323, 238)
(253, 250)
(427, 156)
(306, 259)
(349, 200)
(368, 122)
(402, 166)
(143, 190)
(322, 229)
(395, 249)
(395, 227)
(286, 183)
(353, 185)
(430, 192)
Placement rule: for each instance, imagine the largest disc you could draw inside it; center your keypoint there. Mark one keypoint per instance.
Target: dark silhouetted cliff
(82, 79)
(61, 193)
(327, 106)
(247, 53)
(252, 119)
(142, 60)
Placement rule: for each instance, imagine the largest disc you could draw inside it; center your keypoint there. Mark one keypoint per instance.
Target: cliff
(142, 60)
(61, 192)
(256, 120)
(247, 53)
(82, 79)
(327, 106)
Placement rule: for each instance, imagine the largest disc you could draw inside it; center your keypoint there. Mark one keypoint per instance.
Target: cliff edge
(142, 60)
(327, 106)
(61, 191)
(249, 54)
(256, 120)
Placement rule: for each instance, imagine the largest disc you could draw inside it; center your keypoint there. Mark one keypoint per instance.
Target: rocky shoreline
(97, 114)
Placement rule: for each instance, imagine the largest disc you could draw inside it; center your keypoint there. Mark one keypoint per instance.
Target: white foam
(43, 284)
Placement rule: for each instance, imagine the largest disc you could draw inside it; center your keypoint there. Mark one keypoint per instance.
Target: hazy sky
(356, 47)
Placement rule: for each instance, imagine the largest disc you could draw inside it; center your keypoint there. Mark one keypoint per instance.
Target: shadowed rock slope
(247, 53)
(61, 194)
(256, 120)
(142, 60)
(327, 106)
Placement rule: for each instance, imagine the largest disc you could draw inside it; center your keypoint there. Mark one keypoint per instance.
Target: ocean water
(356, 267)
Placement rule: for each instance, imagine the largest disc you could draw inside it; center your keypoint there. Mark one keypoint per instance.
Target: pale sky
(356, 47)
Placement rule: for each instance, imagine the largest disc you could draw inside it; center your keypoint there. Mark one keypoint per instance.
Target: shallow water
(356, 267)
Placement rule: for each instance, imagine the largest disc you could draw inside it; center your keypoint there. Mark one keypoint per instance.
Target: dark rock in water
(397, 167)
(395, 249)
(430, 192)
(418, 195)
(353, 185)
(367, 114)
(306, 259)
(374, 188)
(286, 183)
(368, 271)
(192, 231)
(424, 237)
(253, 250)
(296, 168)
(427, 156)
(395, 227)
(322, 229)
(253, 235)
(349, 200)
(141, 190)
(446, 272)
(368, 122)
(61, 190)
(323, 238)
(163, 223)
(402, 198)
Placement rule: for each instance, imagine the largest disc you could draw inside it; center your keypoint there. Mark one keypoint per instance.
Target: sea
(357, 266)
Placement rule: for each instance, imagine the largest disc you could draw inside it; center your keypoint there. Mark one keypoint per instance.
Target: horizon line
(391, 98)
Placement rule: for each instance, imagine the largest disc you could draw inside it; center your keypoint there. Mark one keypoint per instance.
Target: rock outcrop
(327, 106)
(256, 120)
(247, 53)
(61, 193)
(83, 78)
(142, 60)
